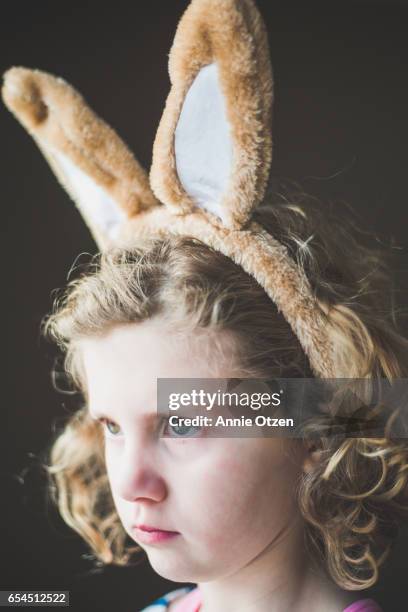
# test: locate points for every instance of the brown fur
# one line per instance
(57, 116)
(230, 32)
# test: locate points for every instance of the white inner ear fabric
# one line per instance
(203, 142)
(98, 208)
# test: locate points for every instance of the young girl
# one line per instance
(221, 282)
(257, 522)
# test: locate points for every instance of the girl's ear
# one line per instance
(213, 147)
(312, 456)
(87, 156)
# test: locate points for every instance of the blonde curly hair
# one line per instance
(355, 497)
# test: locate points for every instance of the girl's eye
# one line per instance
(180, 430)
(110, 427)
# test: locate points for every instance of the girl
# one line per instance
(206, 277)
(258, 523)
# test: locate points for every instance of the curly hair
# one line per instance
(355, 497)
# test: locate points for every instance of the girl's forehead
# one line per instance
(156, 345)
(121, 368)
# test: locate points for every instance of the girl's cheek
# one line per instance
(219, 480)
(185, 450)
(112, 461)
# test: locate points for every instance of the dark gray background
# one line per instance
(340, 129)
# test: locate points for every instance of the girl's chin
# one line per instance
(178, 570)
(175, 574)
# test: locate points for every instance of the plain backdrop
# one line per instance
(340, 130)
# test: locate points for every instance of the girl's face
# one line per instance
(226, 500)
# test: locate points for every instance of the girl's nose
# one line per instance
(138, 476)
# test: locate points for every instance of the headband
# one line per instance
(211, 158)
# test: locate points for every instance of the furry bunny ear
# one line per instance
(213, 147)
(88, 157)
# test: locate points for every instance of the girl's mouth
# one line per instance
(152, 535)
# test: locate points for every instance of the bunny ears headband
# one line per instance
(211, 158)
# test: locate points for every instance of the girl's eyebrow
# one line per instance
(147, 417)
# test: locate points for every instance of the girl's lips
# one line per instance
(152, 535)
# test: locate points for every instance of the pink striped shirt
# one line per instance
(192, 603)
